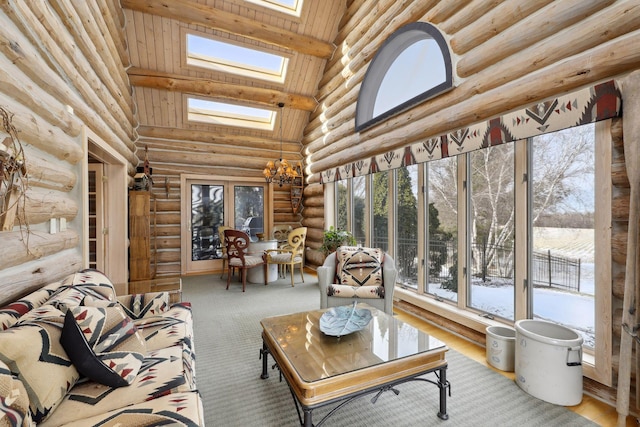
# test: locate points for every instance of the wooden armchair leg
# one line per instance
(266, 273)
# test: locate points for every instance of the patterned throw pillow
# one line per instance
(14, 401)
(67, 298)
(103, 344)
(91, 282)
(348, 291)
(10, 314)
(359, 266)
(138, 306)
(32, 351)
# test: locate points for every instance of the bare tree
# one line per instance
(562, 162)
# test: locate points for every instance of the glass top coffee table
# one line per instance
(324, 370)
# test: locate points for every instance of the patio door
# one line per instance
(211, 202)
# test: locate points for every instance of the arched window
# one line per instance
(412, 66)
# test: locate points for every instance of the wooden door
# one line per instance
(211, 202)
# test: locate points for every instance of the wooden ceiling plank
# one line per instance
(209, 17)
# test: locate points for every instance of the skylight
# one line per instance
(292, 7)
(225, 114)
(231, 58)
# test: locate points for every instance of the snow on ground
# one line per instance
(575, 310)
(571, 309)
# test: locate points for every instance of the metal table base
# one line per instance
(307, 411)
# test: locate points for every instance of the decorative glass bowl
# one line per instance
(343, 320)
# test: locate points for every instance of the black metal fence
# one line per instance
(487, 262)
(491, 261)
(555, 271)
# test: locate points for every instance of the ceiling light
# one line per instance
(280, 171)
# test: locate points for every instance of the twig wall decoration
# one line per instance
(13, 176)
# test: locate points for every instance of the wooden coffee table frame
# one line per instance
(342, 389)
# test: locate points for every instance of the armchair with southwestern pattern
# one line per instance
(356, 273)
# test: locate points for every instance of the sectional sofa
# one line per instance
(73, 353)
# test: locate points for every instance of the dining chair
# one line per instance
(223, 247)
(281, 233)
(290, 253)
(237, 243)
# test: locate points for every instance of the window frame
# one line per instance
(390, 50)
(246, 71)
(596, 364)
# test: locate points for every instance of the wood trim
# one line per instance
(603, 369)
(209, 17)
(116, 263)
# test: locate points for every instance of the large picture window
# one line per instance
(563, 229)
(492, 218)
(458, 228)
(406, 225)
(442, 229)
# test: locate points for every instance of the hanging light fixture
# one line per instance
(279, 171)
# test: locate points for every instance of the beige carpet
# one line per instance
(228, 343)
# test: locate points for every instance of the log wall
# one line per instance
(58, 75)
(505, 55)
(62, 68)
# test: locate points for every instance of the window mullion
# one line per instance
(522, 227)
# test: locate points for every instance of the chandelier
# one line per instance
(279, 171)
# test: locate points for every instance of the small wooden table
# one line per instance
(325, 370)
(170, 284)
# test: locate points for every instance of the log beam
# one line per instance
(199, 14)
(93, 44)
(34, 130)
(492, 23)
(42, 205)
(22, 246)
(264, 151)
(529, 32)
(114, 109)
(114, 20)
(242, 142)
(46, 174)
(50, 96)
(333, 125)
(220, 89)
(15, 62)
(28, 277)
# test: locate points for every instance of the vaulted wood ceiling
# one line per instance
(161, 79)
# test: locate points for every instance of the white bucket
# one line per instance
(501, 342)
(548, 361)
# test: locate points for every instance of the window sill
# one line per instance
(470, 320)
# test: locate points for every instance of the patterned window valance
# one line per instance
(599, 102)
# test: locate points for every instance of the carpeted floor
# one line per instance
(228, 342)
